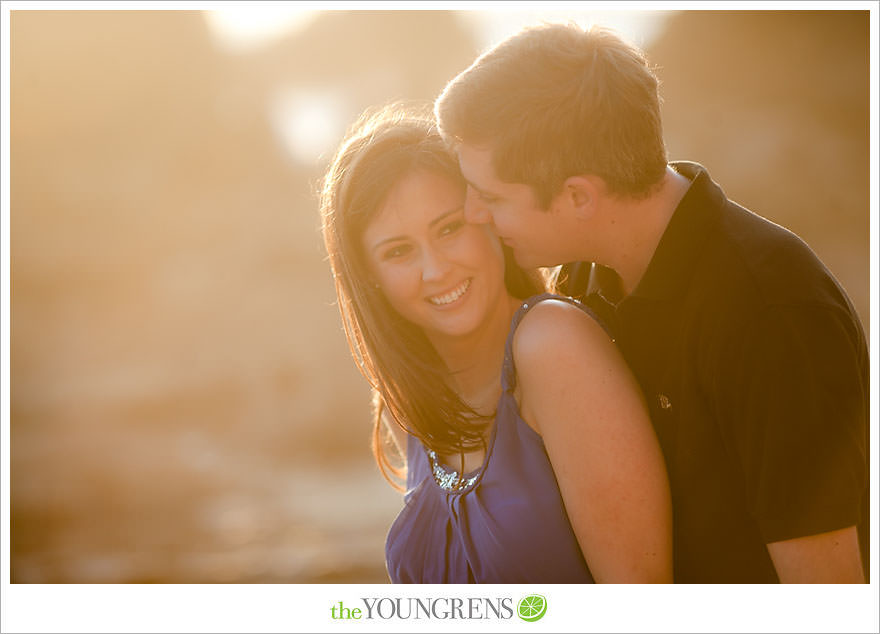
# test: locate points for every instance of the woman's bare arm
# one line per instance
(578, 393)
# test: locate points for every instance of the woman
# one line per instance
(523, 463)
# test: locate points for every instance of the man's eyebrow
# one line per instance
(435, 221)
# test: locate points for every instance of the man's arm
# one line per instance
(797, 419)
(831, 557)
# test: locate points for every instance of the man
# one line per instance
(750, 355)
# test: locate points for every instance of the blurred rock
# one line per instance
(176, 354)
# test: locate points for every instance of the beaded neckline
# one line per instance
(449, 480)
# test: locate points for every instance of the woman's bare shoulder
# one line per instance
(556, 326)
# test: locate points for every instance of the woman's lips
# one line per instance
(452, 296)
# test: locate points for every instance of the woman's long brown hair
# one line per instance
(409, 379)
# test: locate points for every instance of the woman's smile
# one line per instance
(436, 270)
(452, 297)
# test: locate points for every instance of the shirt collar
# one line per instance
(672, 265)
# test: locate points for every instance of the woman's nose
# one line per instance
(434, 265)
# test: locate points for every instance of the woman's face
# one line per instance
(438, 271)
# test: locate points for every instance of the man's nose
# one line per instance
(475, 210)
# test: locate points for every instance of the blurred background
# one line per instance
(183, 404)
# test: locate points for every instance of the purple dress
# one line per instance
(503, 523)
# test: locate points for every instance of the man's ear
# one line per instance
(582, 194)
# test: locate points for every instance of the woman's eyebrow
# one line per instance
(445, 214)
(435, 221)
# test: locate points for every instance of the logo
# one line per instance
(532, 608)
(440, 608)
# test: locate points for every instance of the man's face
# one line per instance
(537, 236)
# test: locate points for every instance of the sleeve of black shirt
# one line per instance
(796, 416)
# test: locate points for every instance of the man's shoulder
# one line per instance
(740, 238)
(749, 269)
(763, 262)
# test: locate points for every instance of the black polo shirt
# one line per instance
(755, 370)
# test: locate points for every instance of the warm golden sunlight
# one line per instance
(184, 406)
(241, 30)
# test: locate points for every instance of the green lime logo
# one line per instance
(532, 607)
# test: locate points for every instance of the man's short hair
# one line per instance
(555, 101)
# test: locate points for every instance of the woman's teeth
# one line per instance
(448, 298)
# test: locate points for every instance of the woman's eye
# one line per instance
(451, 227)
(395, 252)
(487, 199)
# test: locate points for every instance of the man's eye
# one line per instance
(488, 199)
(451, 227)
